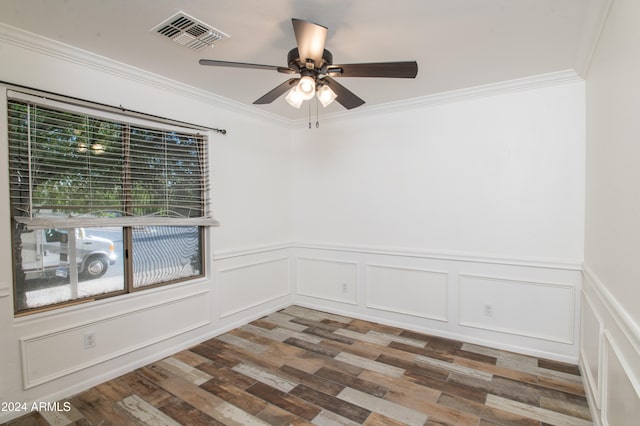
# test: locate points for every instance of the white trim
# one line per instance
(591, 402)
(94, 304)
(635, 383)
(315, 296)
(325, 259)
(58, 50)
(36, 43)
(368, 304)
(459, 95)
(95, 111)
(24, 341)
(244, 251)
(122, 314)
(629, 327)
(516, 332)
(571, 265)
(591, 34)
(247, 265)
(596, 387)
(78, 387)
(440, 333)
(253, 305)
(261, 302)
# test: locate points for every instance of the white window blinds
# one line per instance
(103, 169)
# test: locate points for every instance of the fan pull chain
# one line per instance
(309, 114)
(317, 122)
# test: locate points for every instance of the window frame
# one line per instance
(127, 229)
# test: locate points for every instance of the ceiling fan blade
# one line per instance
(276, 92)
(345, 97)
(408, 69)
(215, 63)
(310, 38)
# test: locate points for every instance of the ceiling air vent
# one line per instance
(189, 31)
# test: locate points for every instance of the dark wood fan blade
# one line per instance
(346, 97)
(277, 92)
(310, 38)
(215, 63)
(408, 69)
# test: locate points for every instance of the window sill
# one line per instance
(79, 307)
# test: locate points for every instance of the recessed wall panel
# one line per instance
(328, 279)
(533, 309)
(622, 390)
(416, 292)
(590, 346)
(253, 283)
(57, 353)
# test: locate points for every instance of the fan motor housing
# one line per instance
(293, 59)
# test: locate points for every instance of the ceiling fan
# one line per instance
(315, 66)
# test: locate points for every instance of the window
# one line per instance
(101, 203)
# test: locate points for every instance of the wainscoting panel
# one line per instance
(621, 389)
(591, 335)
(418, 292)
(609, 356)
(253, 283)
(57, 353)
(328, 279)
(533, 309)
(533, 306)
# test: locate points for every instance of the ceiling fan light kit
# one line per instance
(326, 95)
(306, 87)
(315, 66)
(304, 91)
(294, 97)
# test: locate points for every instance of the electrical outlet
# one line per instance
(89, 340)
(488, 310)
(345, 288)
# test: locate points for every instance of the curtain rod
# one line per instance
(106, 107)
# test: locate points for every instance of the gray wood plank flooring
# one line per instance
(301, 366)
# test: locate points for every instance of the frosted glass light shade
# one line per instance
(294, 98)
(307, 87)
(326, 95)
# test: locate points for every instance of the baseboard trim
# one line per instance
(112, 374)
(440, 333)
(589, 392)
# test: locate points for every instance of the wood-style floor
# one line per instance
(300, 366)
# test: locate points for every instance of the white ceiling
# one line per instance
(457, 43)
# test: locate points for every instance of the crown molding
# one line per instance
(485, 90)
(591, 33)
(42, 45)
(55, 49)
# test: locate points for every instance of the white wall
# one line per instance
(41, 355)
(420, 218)
(424, 216)
(610, 350)
(498, 175)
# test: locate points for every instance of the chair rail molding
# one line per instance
(436, 292)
